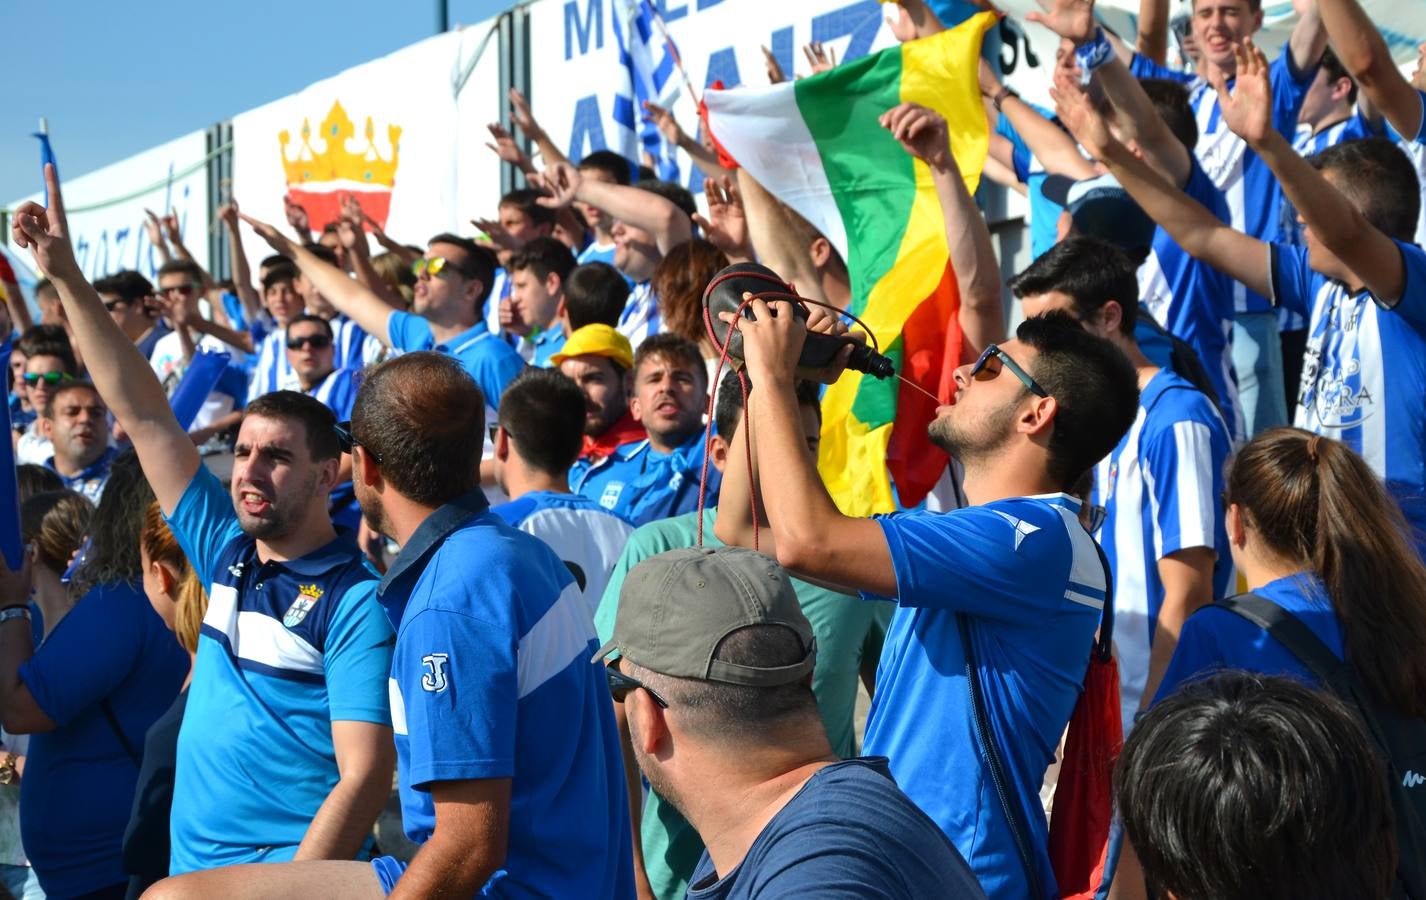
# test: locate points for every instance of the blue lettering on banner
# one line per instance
(592, 25)
(705, 4)
(588, 126)
(671, 13)
(781, 47)
(723, 66)
(861, 20)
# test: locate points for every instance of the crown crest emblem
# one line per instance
(310, 590)
(336, 162)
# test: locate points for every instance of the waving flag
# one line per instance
(651, 63)
(815, 145)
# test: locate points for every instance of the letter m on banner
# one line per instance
(575, 28)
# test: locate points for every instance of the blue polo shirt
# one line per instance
(90, 480)
(541, 347)
(642, 485)
(338, 393)
(492, 678)
(1028, 577)
(78, 789)
(286, 649)
(490, 361)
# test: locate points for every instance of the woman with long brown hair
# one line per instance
(679, 281)
(1313, 530)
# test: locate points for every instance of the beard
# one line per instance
(977, 440)
(284, 513)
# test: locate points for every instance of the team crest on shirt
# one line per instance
(307, 597)
(434, 680)
(612, 490)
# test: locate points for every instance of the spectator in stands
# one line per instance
(354, 347)
(1013, 577)
(176, 594)
(668, 394)
(129, 297)
(76, 423)
(605, 167)
(87, 694)
(47, 366)
(32, 479)
(1287, 775)
(597, 359)
(668, 849)
(311, 351)
(519, 220)
(714, 672)
(679, 281)
(1162, 533)
(55, 522)
(595, 294)
(1359, 280)
(283, 303)
(536, 312)
(453, 281)
(47, 299)
(540, 435)
(292, 678)
(647, 225)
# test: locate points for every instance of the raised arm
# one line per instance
(154, 228)
(242, 272)
(353, 238)
(774, 239)
(706, 160)
(349, 296)
(1364, 54)
(1309, 36)
(1334, 220)
(1055, 150)
(1192, 227)
(1153, 40)
(669, 225)
(922, 133)
(118, 370)
(524, 120)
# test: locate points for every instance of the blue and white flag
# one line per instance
(46, 158)
(650, 62)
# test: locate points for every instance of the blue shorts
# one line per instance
(388, 869)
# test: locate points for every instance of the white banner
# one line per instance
(106, 207)
(385, 132)
(576, 77)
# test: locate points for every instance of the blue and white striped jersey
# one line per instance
(1252, 191)
(641, 315)
(272, 372)
(585, 535)
(1160, 490)
(1415, 147)
(1364, 370)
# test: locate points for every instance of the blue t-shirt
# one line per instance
(597, 253)
(79, 779)
(587, 537)
(490, 361)
(1214, 638)
(286, 649)
(1253, 193)
(644, 485)
(1364, 370)
(542, 346)
(1160, 488)
(338, 393)
(492, 678)
(1194, 301)
(813, 846)
(1028, 577)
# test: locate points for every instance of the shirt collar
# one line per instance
(95, 469)
(334, 553)
(1067, 501)
(432, 531)
(474, 331)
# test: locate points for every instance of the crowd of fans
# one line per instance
(482, 513)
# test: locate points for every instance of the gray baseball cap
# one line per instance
(675, 609)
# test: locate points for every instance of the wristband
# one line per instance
(1092, 54)
(14, 612)
(1001, 96)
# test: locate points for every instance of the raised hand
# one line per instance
(171, 228)
(820, 58)
(1247, 109)
(296, 217)
(922, 133)
(45, 230)
(228, 214)
(726, 226)
(562, 180)
(913, 19)
(505, 146)
(1078, 113)
(665, 122)
(496, 235)
(153, 227)
(775, 75)
(275, 239)
(1072, 19)
(522, 118)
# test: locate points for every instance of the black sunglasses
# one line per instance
(315, 341)
(994, 351)
(621, 686)
(346, 440)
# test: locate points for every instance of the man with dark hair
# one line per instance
(283, 302)
(453, 281)
(646, 226)
(595, 293)
(290, 676)
(714, 673)
(1287, 774)
(1360, 282)
(1009, 588)
(539, 437)
(508, 759)
(605, 167)
(76, 422)
(49, 362)
(848, 634)
(1163, 531)
(311, 351)
(597, 359)
(129, 297)
(659, 477)
(536, 308)
(519, 219)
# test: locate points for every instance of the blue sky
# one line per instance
(117, 78)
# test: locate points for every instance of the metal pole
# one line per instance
(443, 18)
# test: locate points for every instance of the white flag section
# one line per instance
(106, 207)
(391, 134)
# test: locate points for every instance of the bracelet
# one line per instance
(14, 612)
(25, 605)
(1092, 54)
(1001, 96)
